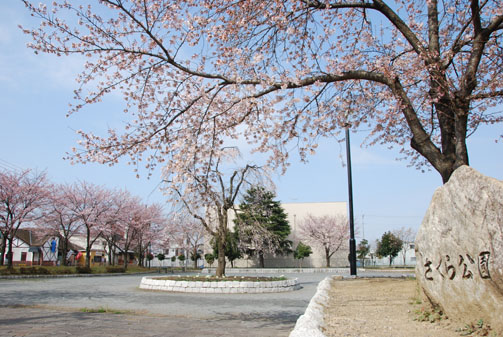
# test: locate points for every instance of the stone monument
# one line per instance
(459, 249)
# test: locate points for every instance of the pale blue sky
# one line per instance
(35, 91)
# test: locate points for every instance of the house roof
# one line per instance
(33, 237)
(79, 243)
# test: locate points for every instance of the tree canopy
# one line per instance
(328, 232)
(389, 245)
(197, 73)
(301, 252)
(363, 250)
(261, 224)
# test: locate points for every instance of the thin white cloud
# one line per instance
(371, 157)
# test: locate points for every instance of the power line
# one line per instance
(394, 216)
(4, 164)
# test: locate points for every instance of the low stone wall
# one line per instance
(218, 287)
(278, 270)
(309, 324)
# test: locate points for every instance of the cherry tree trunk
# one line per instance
(453, 152)
(110, 255)
(9, 252)
(327, 256)
(65, 252)
(221, 256)
(88, 249)
(194, 253)
(261, 259)
(126, 258)
(2, 251)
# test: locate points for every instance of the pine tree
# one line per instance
(262, 224)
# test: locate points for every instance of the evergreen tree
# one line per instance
(363, 250)
(210, 258)
(302, 251)
(389, 245)
(232, 251)
(262, 224)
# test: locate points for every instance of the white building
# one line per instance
(31, 248)
(408, 252)
(296, 213)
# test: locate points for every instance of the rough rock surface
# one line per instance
(459, 248)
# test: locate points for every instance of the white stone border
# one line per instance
(280, 270)
(218, 287)
(309, 324)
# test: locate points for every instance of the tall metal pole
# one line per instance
(352, 242)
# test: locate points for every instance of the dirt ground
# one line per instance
(380, 307)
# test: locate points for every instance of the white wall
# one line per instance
(410, 258)
(296, 212)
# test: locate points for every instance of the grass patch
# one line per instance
(103, 310)
(66, 270)
(425, 313)
(428, 315)
(212, 278)
(477, 329)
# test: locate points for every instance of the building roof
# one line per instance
(33, 237)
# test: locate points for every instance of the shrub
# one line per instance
(112, 269)
(8, 271)
(65, 270)
(42, 271)
(27, 271)
(83, 270)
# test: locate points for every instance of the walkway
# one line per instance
(54, 309)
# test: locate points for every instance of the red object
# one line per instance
(79, 255)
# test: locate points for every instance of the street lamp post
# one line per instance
(352, 243)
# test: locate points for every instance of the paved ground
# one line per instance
(51, 307)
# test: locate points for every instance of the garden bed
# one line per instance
(224, 285)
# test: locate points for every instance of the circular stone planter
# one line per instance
(219, 287)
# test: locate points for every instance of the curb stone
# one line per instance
(219, 287)
(309, 324)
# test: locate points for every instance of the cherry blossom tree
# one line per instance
(91, 205)
(208, 193)
(150, 226)
(22, 197)
(122, 219)
(328, 232)
(187, 233)
(196, 73)
(59, 218)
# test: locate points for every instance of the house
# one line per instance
(31, 248)
(78, 245)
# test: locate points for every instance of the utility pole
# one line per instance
(363, 225)
(352, 242)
